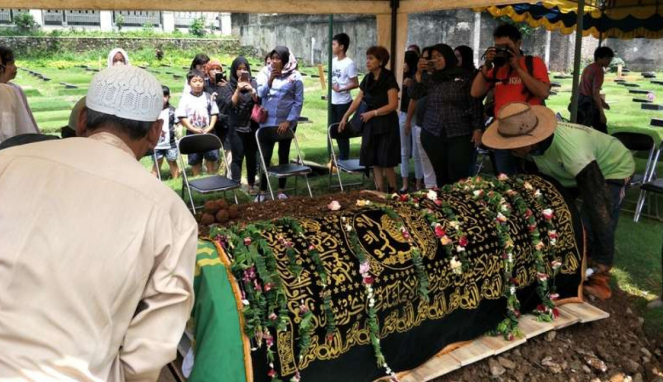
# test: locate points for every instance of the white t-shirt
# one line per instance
(164, 140)
(342, 71)
(197, 109)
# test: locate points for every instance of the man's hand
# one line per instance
(489, 56)
(408, 127)
(476, 137)
(514, 60)
(336, 88)
(272, 76)
(283, 127)
(605, 105)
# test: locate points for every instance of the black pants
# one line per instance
(243, 145)
(590, 115)
(337, 113)
(450, 157)
(267, 140)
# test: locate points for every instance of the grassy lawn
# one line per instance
(638, 262)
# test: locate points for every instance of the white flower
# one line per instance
(348, 227)
(537, 193)
(501, 218)
(512, 290)
(246, 302)
(334, 205)
(454, 224)
(502, 177)
(343, 219)
(539, 246)
(510, 257)
(460, 249)
(362, 203)
(456, 266)
(553, 242)
(548, 213)
(477, 193)
(528, 186)
(432, 195)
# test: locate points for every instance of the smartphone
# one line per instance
(431, 64)
(219, 77)
(244, 76)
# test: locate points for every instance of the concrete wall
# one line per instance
(452, 27)
(639, 54)
(32, 45)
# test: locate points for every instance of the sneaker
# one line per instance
(260, 198)
(282, 195)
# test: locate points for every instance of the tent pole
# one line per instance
(330, 57)
(576, 61)
(394, 8)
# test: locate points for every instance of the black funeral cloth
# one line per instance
(461, 306)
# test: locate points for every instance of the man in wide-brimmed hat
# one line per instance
(577, 157)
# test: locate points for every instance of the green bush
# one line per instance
(197, 28)
(119, 21)
(25, 22)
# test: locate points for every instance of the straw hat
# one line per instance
(518, 125)
(126, 92)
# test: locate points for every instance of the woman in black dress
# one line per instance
(380, 145)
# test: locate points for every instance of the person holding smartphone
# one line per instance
(281, 90)
(241, 94)
(453, 123)
(214, 84)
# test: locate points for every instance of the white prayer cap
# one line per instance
(126, 92)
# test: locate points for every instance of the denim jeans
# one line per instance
(616, 196)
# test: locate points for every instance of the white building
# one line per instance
(106, 20)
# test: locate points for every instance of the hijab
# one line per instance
(468, 57)
(451, 69)
(233, 71)
(211, 64)
(116, 51)
(411, 59)
(289, 61)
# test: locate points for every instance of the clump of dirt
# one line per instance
(616, 349)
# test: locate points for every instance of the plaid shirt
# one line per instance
(450, 109)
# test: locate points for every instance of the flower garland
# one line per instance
(417, 260)
(546, 311)
(458, 262)
(367, 281)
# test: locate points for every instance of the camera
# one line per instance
(502, 55)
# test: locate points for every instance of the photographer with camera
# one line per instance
(512, 77)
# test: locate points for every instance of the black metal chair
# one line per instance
(284, 170)
(640, 142)
(24, 139)
(215, 183)
(153, 154)
(349, 166)
(655, 187)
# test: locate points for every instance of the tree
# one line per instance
(25, 22)
(119, 21)
(197, 27)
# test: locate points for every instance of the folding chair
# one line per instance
(640, 142)
(481, 154)
(284, 170)
(215, 183)
(349, 166)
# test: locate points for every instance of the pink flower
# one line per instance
(256, 286)
(438, 202)
(311, 247)
(404, 198)
(330, 337)
(368, 280)
(463, 241)
(503, 177)
(334, 206)
(556, 264)
(555, 313)
(554, 296)
(528, 213)
(268, 287)
(247, 241)
(364, 267)
(439, 232)
(477, 194)
(552, 234)
(539, 246)
(273, 316)
(531, 227)
(303, 309)
(548, 213)
(651, 97)
(271, 373)
(542, 276)
(501, 218)
(444, 240)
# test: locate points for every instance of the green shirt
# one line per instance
(575, 146)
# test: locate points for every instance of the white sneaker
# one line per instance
(282, 196)
(589, 272)
(260, 198)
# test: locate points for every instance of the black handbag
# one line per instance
(356, 122)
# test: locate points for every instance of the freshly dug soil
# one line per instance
(577, 353)
(616, 349)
